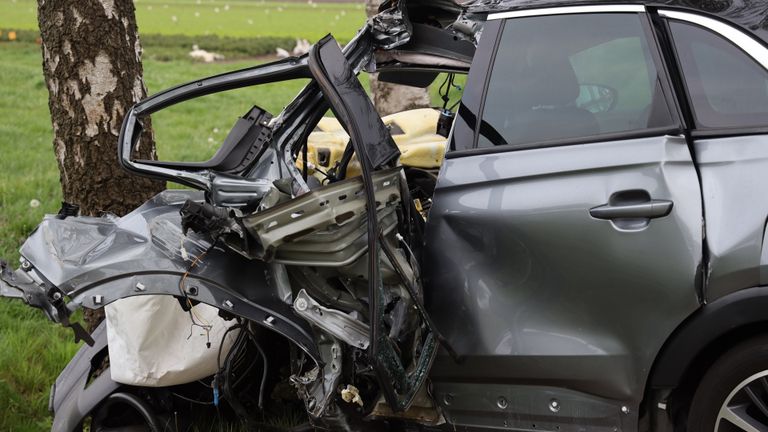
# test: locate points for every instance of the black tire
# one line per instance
(746, 360)
(125, 412)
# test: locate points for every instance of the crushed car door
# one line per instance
(375, 148)
(565, 240)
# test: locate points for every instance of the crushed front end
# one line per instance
(331, 270)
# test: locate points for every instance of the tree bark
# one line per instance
(92, 68)
(392, 98)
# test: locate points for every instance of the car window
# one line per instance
(726, 86)
(572, 76)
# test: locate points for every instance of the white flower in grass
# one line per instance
(216, 10)
(210, 140)
(197, 14)
(215, 130)
(174, 19)
(226, 7)
(34, 203)
(250, 21)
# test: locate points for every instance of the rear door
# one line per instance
(565, 239)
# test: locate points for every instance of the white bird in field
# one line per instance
(203, 55)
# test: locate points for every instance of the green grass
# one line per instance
(32, 350)
(234, 18)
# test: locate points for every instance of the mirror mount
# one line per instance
(244, 145)
(199, 176)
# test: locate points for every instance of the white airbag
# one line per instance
(149, 343)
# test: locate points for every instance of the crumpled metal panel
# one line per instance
(326, 227)
(147, 247)
(67, 250)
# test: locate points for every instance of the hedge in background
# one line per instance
(174, 47)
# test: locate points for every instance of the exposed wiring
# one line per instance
(266, 367)
(445, 92)
(400, 238)
(223, 338)
(190, 400)
(197, 321)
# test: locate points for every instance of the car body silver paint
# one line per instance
(550, 295)
(94, 261)
(734, 177)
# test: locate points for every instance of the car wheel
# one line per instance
(733, 395)
(124, 412)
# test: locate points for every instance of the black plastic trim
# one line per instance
(644, 133)
(729, 132)
(702, 328)
(487, 79)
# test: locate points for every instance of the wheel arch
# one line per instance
(701, 339)
(739, 315)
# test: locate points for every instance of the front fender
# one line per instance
(96, 261)
(72, 398)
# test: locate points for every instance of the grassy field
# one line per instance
(33, 350)
(222, 17)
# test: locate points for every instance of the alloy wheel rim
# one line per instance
(746, 407)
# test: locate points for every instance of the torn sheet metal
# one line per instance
(147, 246)
(346, 327)
(325, 227)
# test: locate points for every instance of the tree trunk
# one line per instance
(92, 67)
(392, 98)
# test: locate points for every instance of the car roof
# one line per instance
(752, 15)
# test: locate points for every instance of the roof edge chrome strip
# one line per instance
(567, 10)
(742, 40)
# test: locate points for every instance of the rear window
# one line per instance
(572, 76)
(726, 86)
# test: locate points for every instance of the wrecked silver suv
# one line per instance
(555, 273)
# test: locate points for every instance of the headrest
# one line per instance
(547, 80)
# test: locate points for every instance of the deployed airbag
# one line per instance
(152, 342)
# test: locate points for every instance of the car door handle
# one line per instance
(647, 210)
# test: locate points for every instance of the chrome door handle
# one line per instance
(648, 210)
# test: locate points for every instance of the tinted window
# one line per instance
(727, 87)
(572, 76)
